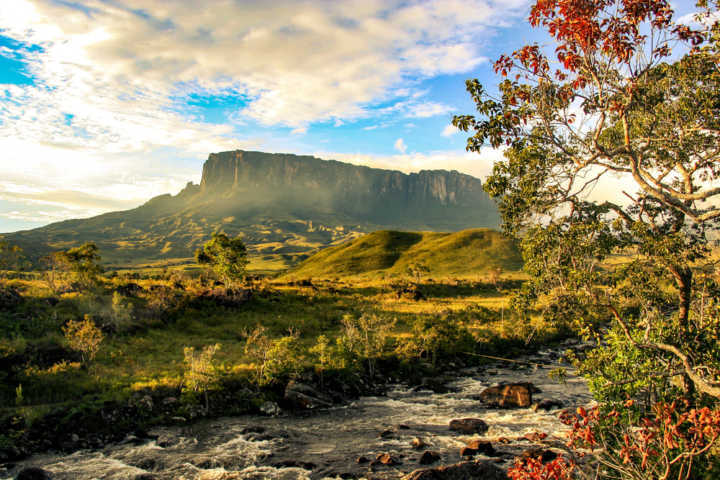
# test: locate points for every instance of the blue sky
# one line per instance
(106, 103)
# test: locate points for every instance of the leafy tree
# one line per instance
(84, 337)
(11, 257)
(81, 263)
(227, 257)
(615, 105)
(201, 372)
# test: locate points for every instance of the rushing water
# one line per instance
(327, 443)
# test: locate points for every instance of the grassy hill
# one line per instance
(390, 253)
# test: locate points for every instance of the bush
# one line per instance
(84, 337)
(201, 373)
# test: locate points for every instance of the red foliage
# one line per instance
(534, 469)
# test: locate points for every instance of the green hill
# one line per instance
(391, 253)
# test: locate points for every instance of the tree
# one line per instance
(81, 263)
(11, 257)
(615, 104)
(84, 337)
(201, 372)
(227, 257)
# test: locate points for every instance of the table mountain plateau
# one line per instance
(285, 206)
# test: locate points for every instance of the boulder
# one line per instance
(270, 408)
(547, 405)
(33, 473)
(509, 395)
(459, 471)
(386, 459)
(469, 425)
(429, 457)
(305, 397)
(418, 443)
(475, 447)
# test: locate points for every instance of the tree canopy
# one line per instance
(227, 257)
(612, 157)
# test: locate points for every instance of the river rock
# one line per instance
(429, 457)
(270, 408)
(33, 473)
(305, 397)
(386, 459)
(547, 405)
(509, 395)
(469, 425)
(418, 443)
(475, 447)
(459, 471)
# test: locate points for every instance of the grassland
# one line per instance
(391, 254)
(306, 323)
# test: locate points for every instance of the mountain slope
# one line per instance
(285, 206)
(392, 252)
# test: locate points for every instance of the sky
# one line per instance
(107, 103)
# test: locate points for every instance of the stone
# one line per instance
(305, 397)
(429, 457)
(509, 395)
(33, 473)
(459, 471)
(386, 459)
(469, 425)
(475, 447)
(418, 443)
(270, 408)
(547, 405)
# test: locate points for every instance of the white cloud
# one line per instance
(296, 62)
(110, 81)
(449, 131)
(400, 145)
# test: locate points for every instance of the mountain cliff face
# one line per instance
(285, 206)
(435, 200)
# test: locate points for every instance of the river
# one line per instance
(327, 443)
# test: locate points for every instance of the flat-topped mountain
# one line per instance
(284, 205)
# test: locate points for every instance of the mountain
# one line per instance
(390, 253)
(285, 206)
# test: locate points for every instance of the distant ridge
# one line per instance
(285, 206)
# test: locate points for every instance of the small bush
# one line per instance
(84, 337)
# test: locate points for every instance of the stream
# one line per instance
(327, 443)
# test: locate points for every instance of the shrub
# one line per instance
(84, 337)
(364, 339)
(201, 373)
(272, 358)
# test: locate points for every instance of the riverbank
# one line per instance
(335, 441)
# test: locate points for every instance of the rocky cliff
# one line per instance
(435, 200)
(285, 206)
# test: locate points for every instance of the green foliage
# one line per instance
(84, 337)
(80, 264)
(226, 257)
(11, 258)
(622, 108)
(201, 373)
(439, 336)
(273, 358)
(364, 339)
